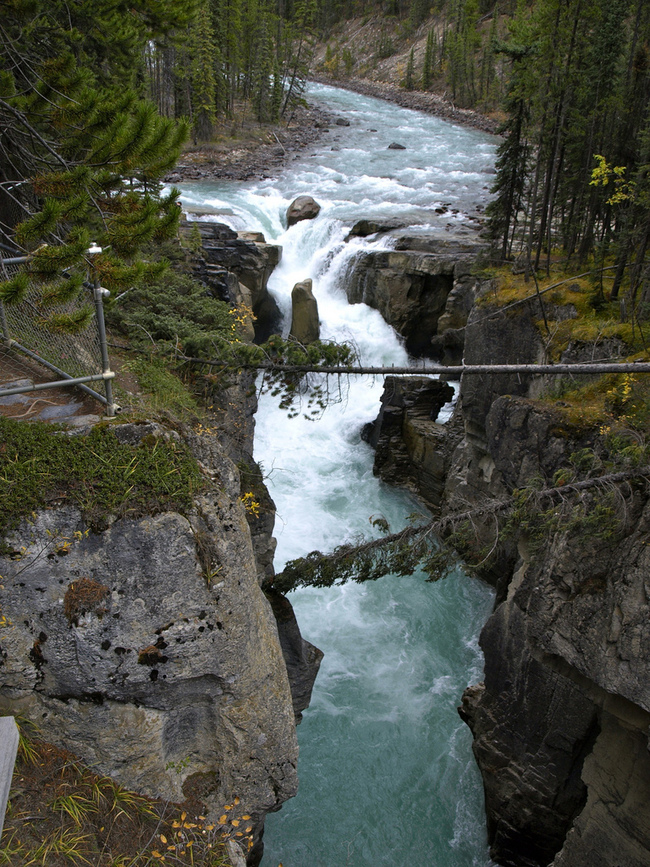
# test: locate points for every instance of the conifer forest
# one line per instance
(97, 99)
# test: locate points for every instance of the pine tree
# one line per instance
(202, 56)
(409, 78)
(82, 154)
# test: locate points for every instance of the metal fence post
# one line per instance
(6, 335)
(98, 296)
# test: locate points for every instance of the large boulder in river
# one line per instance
(302, 208)
(304, 313)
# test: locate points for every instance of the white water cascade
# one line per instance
(386, 773)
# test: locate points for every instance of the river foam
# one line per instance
(386, 771)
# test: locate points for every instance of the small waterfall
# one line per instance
(386, 771)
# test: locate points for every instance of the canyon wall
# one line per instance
(424, 288)
(148, 648)
(561, 720)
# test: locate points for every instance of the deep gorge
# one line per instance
(549, 777)
(560, 715)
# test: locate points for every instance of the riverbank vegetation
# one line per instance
(571, 86)
(96, 107)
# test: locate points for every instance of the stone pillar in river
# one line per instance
(304, 313)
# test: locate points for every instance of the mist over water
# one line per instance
(386, 771)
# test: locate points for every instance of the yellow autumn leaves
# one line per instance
(206, 837)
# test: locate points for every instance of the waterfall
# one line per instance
(386, 771)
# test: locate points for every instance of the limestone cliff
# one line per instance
(237, 266)
(424, 288)
(561, 720)
(148, 648)
(409, 443)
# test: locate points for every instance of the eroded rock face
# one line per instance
(422, 293)
(560, 723)
(407, 438)
(494, 336)
(301, 657)
(365, 228)
(238, 267)
(561, 726)
(150, 651)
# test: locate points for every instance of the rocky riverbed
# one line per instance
(255, 151)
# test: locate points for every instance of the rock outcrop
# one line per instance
(560, 723)
(149, 649)
(561, 720)
(407, 438)
(236, 267)
(305, 327)
(424, 289)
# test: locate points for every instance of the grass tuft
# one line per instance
(41, 466)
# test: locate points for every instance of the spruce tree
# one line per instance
(429, 60)
(202, 57)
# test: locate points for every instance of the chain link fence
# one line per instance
(71, 359)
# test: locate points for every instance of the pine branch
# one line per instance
(23, 120)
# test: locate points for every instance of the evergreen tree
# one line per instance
(512, 158)
(203, 56)
(429, 60)
(82, 153)
(409, 78)
(583, 89)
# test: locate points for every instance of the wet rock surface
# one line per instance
(302, 208)
(302, 658)
(236, 267)
(305, 327)
(406, 436)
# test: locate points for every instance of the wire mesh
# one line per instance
(24, 323)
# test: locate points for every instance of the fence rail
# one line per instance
(76, 359)
(8, 748)
(594, 368)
